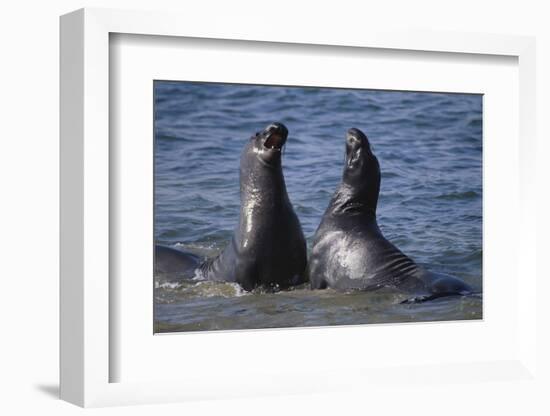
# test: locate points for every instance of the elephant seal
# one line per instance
(268, 247)
(349, 251)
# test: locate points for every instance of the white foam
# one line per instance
(199, 276)
(211, 289)
(167, 285)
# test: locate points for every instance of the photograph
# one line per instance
(299, 206)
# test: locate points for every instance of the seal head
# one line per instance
(360, 187)
(268, 144)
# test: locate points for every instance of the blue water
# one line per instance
(429, 146)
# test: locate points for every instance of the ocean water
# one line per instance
(429, 146)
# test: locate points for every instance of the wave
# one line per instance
(458, 195)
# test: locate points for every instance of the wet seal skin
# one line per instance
(268, 248)
(349, 251)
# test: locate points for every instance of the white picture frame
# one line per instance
(86, 291)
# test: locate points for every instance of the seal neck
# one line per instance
(263, 186)
(350, 200)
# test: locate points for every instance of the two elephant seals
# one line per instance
(349, 251)
(268, 247)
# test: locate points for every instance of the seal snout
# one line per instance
(357, 147)
(275, 136)
(356, 137)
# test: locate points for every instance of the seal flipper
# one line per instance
(427, 298)
(174, 264)
(442, 285)
(419, 299)
(445, 285)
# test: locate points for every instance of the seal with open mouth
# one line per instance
(349, 250)
(268, 247)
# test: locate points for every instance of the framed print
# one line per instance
(205, 173)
